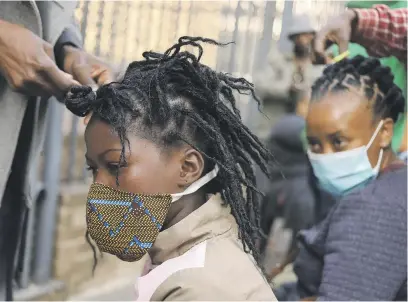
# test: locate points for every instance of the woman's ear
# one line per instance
(192, 167)
(386, 133)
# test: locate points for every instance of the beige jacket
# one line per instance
(201, 258)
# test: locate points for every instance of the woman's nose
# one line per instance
(104, 178)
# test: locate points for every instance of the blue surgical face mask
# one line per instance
(342, 172)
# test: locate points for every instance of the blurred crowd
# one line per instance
(337, 179)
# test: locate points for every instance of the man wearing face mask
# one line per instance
(301, 33)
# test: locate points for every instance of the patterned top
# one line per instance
(359, 252)
(383, 31)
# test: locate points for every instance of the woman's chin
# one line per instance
(128, 258)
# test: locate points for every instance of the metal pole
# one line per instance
(137, 39)
(112, 41)
(266, 40)
(72, 148)
(191, 11)
(223, 36)
(253, 115)
(99, 25)
(29, 238)
(48, 209)
(231, 65)
(84, 21)
(127, 30)
(284, 43)
(177, 21)
(252, 11)
(161, 29)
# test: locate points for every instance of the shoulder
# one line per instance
(228, 274)
(376, 213)
(388, 193)
(209, 285)
(193, 284)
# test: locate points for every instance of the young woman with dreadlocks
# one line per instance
(359, 251)
(173, 177)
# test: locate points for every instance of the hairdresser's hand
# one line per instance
(86, 68)
(339, 31)
(27, 63)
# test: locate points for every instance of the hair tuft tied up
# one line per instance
(80, 100)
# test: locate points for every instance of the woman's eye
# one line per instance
(338, 144)
(315, 148)
(112, 168)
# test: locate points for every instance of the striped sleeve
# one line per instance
(383, 31)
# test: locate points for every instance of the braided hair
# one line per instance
(175, 99)
(365, 76)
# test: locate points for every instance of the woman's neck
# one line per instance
(389, 158)
(184, 207)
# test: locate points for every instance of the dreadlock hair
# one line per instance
(367, 77)
(175, 99)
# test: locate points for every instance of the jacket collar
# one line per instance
(213, 218)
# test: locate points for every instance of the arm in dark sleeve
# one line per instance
(70, 36)
(366, 250)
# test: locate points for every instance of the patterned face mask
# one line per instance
(127, 224)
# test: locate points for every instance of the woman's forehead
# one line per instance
(345, 111)
(100, 136)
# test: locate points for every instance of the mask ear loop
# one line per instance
(377, 166)
(375, 134)
(197, 184)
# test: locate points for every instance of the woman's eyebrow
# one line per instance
(335, 134)
(104, 153)
(312, 138)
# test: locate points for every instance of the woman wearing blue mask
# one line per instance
(359, 251)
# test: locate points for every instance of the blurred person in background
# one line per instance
(40, 57)
(301, 33)
(288, 193)
(283, 72)
(359, 251)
